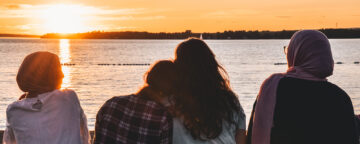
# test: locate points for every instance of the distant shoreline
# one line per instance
(284, 34)
(351, 33)
(145, 39)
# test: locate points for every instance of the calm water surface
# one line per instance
(248, 63)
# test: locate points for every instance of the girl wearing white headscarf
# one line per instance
(301, 106)
(44, 114)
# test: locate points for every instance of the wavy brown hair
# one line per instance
(204, 99)
(159, 80)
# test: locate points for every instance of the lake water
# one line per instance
(248, 63)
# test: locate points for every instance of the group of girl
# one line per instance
(189, 100)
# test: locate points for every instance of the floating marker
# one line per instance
(68, 64)
(356, 62)
(280, 63)
(339, 63)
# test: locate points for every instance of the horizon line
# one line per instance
(103, 31)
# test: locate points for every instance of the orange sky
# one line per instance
(43, 16)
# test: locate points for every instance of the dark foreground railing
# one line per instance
(2, 133)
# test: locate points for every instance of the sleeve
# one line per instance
(84, 132)
(346, 120)
(342, 121)
(98, 134)
(241, 121)
(249, 132)
(166, 130)
(8, 137)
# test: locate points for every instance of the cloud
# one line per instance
(284, 17)
(232, 13)
(90, 12)
(117, 28)
(123, 18)
(16, 6)
(13, 6)
(25, 28)
(42, 18)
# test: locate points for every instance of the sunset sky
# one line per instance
(67, 16)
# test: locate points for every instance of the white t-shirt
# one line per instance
(51, 118)
(182, 136)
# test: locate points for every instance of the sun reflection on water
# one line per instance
(65, 57)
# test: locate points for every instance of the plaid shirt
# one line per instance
(133, 119)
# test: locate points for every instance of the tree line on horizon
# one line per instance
(284, 34)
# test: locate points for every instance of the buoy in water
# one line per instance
(339, 63)
(280, 63)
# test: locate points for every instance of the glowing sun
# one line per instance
(64, 19)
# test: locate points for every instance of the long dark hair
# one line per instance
(204, 99)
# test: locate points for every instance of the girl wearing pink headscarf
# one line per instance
(44, 114)
(300, 106)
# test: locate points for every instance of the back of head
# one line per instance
(195, 52)
(40, 72)
(204, 99)
(310, 50)
(196, 63)
(161, 77)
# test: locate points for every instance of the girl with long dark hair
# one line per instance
(206, 110)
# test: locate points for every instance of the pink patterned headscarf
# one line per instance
(309, 57)
(40, 72)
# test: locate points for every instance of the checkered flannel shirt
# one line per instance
(133, 120)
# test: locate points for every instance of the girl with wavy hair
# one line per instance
(206, 109)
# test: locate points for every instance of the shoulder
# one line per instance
(15, 103)
(240, 119)
(132, 100)
(334, 89)
(140, 104)
(338, 99)
(67, 92)
(116, 102)
(15, 106)
(272, 79)
(12, 106)
(134, 104)
(119, 100)
(67, 95)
